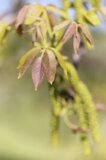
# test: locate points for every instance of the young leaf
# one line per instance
(69, 32)
(61, 25)
(95, 3)
(49, 63)
(26, 61)
(66, 4)
(86, 33)
(33, 13)
(39, 32)
(60, 59)
(38, 71)
(21, 16)
(4, 28)
(47, 22)
(76, 42)
(52, 19)
(56, 10)
(91, 17)
(34, 37)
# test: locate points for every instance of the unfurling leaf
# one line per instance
(69, 32)
(60, 59)
(91, 17)
(26, 61)
(21, 16)
(39, 32)
(38, 71)
(52, 19)
(46, 23)
(44, 66)
(76, 42)
(49, 63)
(86, 33)
(34, 37)
(34, 12)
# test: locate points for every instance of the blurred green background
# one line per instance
(25, 114)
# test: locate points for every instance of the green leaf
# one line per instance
(4, 28)
(26, 61)
(39, 32)
(95, 3)
(91, 17)
(49, 63)
(60, 59)
(66, 4)
(45, 17)
(69, 32)
(61, 25)
(38, 72)
(34, 12)
(56, 10)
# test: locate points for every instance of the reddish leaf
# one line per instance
(20, 17)
(52, 19)
(37, 72)
(34, 36)
(86, 33)
(26, 61)
(49, 63)
(69, 32)
(76, 42)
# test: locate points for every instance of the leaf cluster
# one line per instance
(49, 28)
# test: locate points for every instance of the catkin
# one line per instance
(54, 129)
(85, 144)
(88, 105)
(55, 118)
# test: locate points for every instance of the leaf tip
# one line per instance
(51, 82)
(18, 67)
(36, 88)
(19, 76)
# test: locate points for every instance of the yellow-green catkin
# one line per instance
(85, 144)
(55, 118)
(54, 129)
(88, 105)
(56, 106)
(90, 110)
(78, 106)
